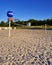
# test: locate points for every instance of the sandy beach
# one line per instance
(26, 47)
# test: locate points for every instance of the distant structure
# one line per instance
(29, 24)
(16, 20)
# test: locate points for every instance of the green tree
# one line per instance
(3, 24)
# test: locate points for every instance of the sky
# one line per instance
(26, 9)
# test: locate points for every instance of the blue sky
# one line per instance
(26, 9)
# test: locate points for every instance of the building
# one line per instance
(29, 24)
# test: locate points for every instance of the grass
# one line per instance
(34, 27)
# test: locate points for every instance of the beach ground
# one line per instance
(26, 47)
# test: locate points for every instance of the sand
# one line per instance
(26, 47)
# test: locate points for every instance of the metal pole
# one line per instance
(9, 28)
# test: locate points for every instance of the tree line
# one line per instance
(24, 23)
